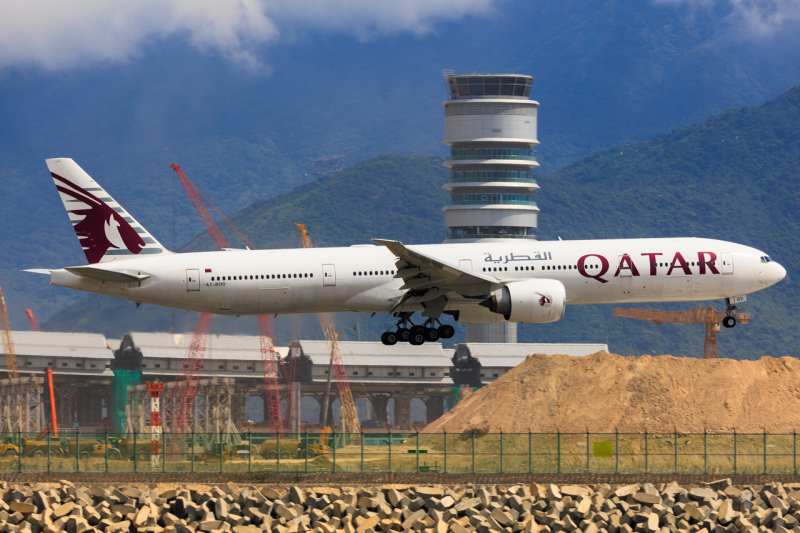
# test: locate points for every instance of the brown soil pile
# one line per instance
(661, 394)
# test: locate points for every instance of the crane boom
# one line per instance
(32, 320)
(269, 360)
(8, 341)
(345, 395)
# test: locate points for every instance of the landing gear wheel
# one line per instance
(418, 330)
(389, 338)
(403, 334)
(417, 336)
(431, 335)
(446, 332)
(728, 321)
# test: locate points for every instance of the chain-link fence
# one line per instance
(391, 451)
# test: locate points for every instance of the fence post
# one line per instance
(735, 451)
(558, 449)
(306, 453)
(334, 451)
(19, 455)
(445, 451)
(249, 451)
(362, 450)
(616, 449)
(646, 452)
(222, 451)
(105, 447)
(415, 429)
(390, 450)
(530, 452)
(794, 450)
(675, 445)
(78, 447)
(501, 451)
(192, 449)
(278, 448)
(135, 453)
(765, 450)
(705, 451)
(588, 464)
(473, 451)
(48, 451)
(163, 450)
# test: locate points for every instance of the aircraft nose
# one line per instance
(773, 274)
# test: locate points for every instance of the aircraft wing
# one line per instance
(425, 276)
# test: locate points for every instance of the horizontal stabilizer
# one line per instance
(106, 275)
(38, 271)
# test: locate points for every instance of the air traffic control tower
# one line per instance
(490, 126)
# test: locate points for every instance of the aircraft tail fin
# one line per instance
(105, 230)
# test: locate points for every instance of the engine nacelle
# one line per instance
(532, 301)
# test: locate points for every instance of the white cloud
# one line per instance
(58, 34)
(753, 18)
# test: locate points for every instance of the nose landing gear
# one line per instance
(730, 320)
(417, 335)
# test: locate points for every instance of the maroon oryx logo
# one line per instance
(102, 227)
(545, 300)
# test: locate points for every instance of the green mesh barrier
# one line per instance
(119, 395)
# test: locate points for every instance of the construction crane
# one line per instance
(181, 397)
(32, 320)
(194, 195)
(8, 342)
(350, 415)
(696, 315)
(269, 360)
(304, 235)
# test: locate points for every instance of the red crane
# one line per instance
(269, 359)
(181, 397)
(32, 320)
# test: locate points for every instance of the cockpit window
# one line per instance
(766, 259)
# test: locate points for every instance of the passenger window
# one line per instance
(311, 275)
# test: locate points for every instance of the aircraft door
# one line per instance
(192, 279)
(727, 262)
(328, 276)
(466, 264)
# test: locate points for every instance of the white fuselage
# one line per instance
(361, 278)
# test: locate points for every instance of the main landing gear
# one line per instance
(417, 335)
(730, 320)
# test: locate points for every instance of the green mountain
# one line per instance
(732, 177)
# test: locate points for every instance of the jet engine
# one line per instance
(532, 301)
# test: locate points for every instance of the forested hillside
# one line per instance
(733, 177)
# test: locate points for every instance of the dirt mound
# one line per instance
(604, 391)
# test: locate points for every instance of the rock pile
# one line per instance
(716, 507)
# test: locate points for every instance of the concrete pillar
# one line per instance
(294, 415)
(402, 410)
(434, 408)
(239, 409)
(380, 409)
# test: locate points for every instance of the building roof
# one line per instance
(510, 355)
(218, 347)
(377, 354)
(56, 344)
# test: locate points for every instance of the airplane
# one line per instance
(486, 283)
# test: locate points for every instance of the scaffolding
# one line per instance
(211, 411)
(21, 407)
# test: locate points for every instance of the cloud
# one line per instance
(59, 34)
(752, 18)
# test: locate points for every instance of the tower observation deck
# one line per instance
(490, 126)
